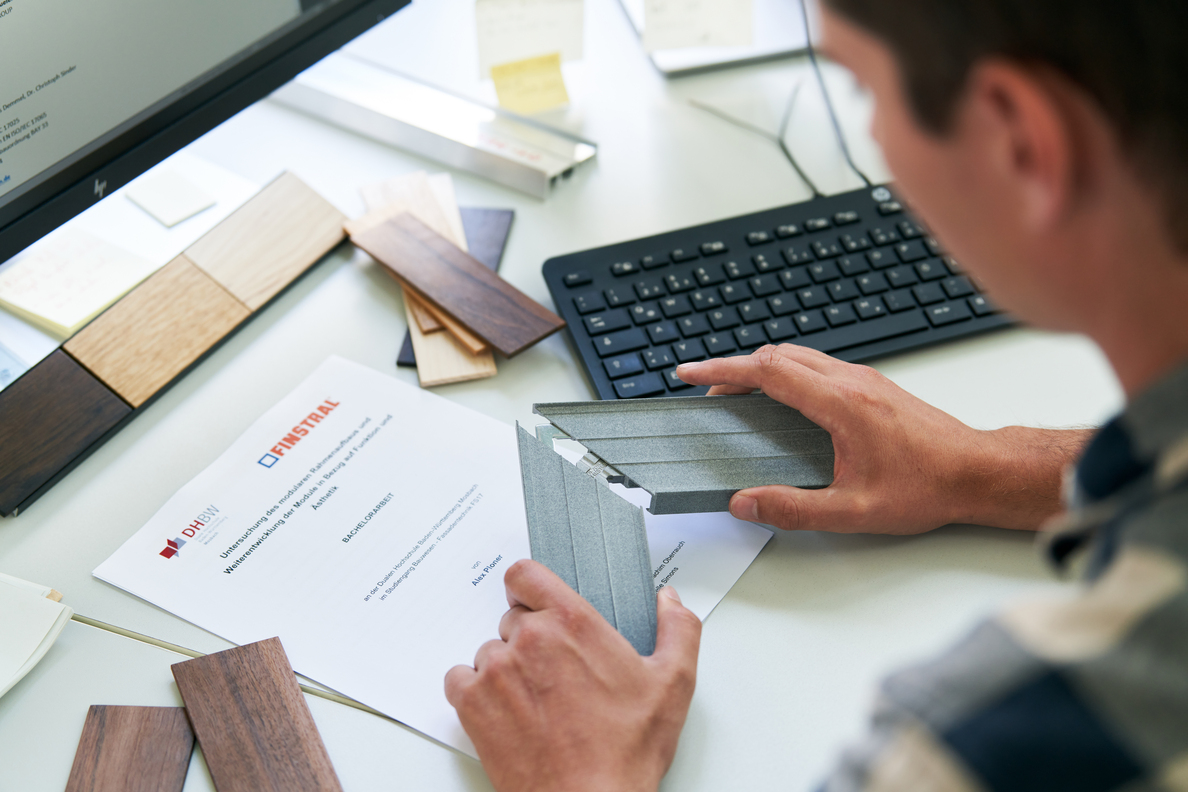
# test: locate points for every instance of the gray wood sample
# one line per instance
(594, 540)
(692, 454)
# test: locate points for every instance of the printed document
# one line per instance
(368, 523)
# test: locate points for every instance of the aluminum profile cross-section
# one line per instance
(591, 538)
(693, 453)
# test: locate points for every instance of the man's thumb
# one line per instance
(789, 508)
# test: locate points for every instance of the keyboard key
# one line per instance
(866, 332)
(899, 277)
(809, 322)
(658, 358)
(623, 365)
(870, 308)
(957, 287)
(607, 321)
(654, 260)
(708, 277)
(750, 336)
(682, 254)
(679, 283)
(826, 250)
(824, 272)
(845, 218)
(780, 329)
(620, 342)
(619, 296)
(884, 236)
(589, 302)
(621, 268)
(941, 315)
(720, 344)
(816, 224)
(928, 293)
(639, 387)
(735, 292)
(713, 248)
(795, 278)
(649, 289)
(788, 230)
(952, 264)
(874, 283)
(663, 332)
(797, 255)
(854, 243)
(688, 351)
(909, 229)
(723, 319)
(675, 383)
(703, 300)
(783, 305)
(933, 246)
(842, 291)
(813, 297)
(879, 259)
(839, 315)
(765, 285)
(645, 313)
(759, 238)
(982, 306)
(911, 251)
(694, 325)
(899, 300)
(675, 306)
(890, 207)
(579, 278)
(753, 311)
(736, 270)
(931, 270)
(765, 264)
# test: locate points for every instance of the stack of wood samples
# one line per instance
(70, 403)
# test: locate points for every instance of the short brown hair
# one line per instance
(1131, 56)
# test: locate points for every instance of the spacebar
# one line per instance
(865, 332)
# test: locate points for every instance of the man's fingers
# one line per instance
(729, 390)
(777, 374)
(789, 508)
(458, 679)
(511, 621)
(536, 587)
(678, 633)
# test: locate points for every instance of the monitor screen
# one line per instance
(94, 93)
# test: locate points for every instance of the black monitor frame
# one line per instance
(179, 119)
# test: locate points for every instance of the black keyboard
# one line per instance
(853, 275)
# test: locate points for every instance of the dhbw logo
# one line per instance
(172, 546)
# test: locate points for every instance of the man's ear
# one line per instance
(1030, 146)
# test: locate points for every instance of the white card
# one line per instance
(674, 24)
(512, 30)
(169, 197)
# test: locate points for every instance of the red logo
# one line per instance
(172, 546)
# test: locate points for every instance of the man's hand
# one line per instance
(900, 466)
(563, 702)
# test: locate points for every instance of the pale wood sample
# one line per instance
(158, 330)
(423, 316)
(132, 749)
(442, 360)
(251, 719)
(266, 243)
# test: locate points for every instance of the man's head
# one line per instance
(1031, 134)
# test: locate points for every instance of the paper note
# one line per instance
(29, 625)
(11, 367)
(512, 30)
(674, 24)
(169, 197)
(531, 85)
(64, 283)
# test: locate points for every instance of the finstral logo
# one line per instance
(303, 427)
(172, 547)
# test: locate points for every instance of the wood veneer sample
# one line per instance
(132, 749)
(450, 279)
(252, 722)
(50, 416)
(266, 243)
(442, 360)
(157, 330)
(423, 315)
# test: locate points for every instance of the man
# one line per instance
(1046, 142)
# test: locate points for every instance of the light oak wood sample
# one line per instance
(251, 719)
(157, 331)
(266, 243)
(132, 749)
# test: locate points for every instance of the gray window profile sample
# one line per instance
(594, 540)
(693, 453)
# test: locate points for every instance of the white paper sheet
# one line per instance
(29, 625)
(673, 24)
(512, 30)
(360, 543)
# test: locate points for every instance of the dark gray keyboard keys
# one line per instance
(765, 263)
(853, 265)
(788, 230)
(958, 286)
(649, 289)
(720, 344)
(735, 292)
(589, 302)
(759, 238)
(713, 248)
(753, 311)
(674, 307)
(928, 293)
(881, 259)
(663, 332)
(750, 336)
(692, 326)
(737, 270)
(795, 278)
(640, 386)
(620, 342)
(866, 332)
(911, 251)
(645, 313)
(884, 236)
(842, 290)
(653, 260)
(708, 277)
(723, 319)
(623, 365)
(810, 322)
(618, 297)
(845, 218)
(796, 255)
(899, 300)
(941, 315)
(930, 270)
(827, 250)
(688, 351)
(813, 297)
(816, 224)
(678, 284)
(982, 306)
(870, 308)
(779, 330)
(682, 254)
(854, 243)
(824, 272)
(838, 315)
(607, 321)
(704, 300)
(579, 278)
(765, 285)
(899, 277)
(622, 268)
(909, 229)
(874, 283)
(658, 358)
(783, 305)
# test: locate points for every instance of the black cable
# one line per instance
(841, 139)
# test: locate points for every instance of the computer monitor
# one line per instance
(94, 94)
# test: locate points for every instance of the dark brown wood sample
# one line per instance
(51, 415)
(252, 722)
(132, 749)
(442, 274)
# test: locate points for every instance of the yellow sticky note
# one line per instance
(530, 85)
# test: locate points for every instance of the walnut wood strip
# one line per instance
(252, 722)
(158, 330)
(266, 243)
(51, 415)
(437, 270)
(132, 749)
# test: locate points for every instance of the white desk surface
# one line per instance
(789, 659)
